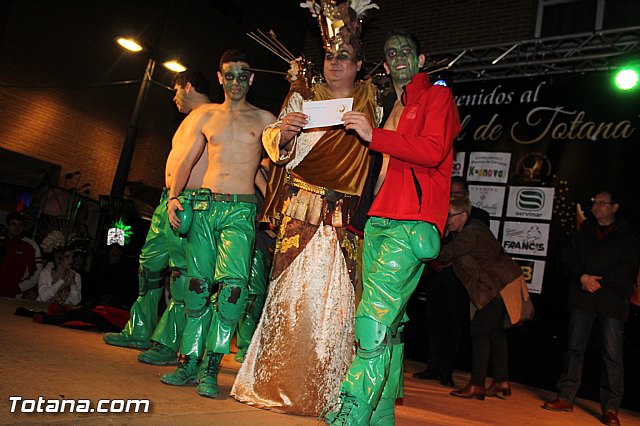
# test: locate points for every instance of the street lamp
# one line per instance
(126, 155)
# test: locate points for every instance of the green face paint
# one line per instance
(235, 80)
(402, 59)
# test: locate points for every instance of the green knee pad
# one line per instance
(249, 322)
(371, 337)
(424, 241)
(196, 298)
(178, 285)
(255, 303)
(148, 280)
(231, 304)
(232, 301)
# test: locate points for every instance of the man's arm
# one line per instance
(33, 269)
(190, 133)
(464, 243)
(427, 149)
(434, 142)
(279, 137)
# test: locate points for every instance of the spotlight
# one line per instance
(626, 79)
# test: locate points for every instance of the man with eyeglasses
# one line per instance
(602, 261)
(447, 304)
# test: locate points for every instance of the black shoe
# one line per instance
(447, 381)
(426, 375)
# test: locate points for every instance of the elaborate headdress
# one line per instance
(340, 21)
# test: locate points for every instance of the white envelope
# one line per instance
(326, 113)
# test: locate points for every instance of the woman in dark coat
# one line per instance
(485, 270)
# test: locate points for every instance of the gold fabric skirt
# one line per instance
(304, 343)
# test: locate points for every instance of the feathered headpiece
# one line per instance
(340, 21)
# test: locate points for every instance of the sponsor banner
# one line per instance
(489, 198)
(525, 238)
(530, 202)
(533, 271)
(494, 225)
(458, 164)
(489, 167)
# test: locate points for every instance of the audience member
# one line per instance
(58, 282)
(20, 260)
(487, 273)
(447, 304)
(602, 264)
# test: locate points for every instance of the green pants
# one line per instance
(220, 247)
(390, 275)
(162, 248)
(255, 301)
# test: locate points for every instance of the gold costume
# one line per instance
(304, 343)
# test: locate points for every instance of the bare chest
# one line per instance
(232, 127)
(394, 117)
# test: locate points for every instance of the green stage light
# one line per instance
(626, 79)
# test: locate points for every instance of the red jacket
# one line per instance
(416, 186)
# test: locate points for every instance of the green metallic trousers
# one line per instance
(255, 301)
(390, 275)
(220, 247)
(162, 248)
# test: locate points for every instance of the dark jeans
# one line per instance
(611, 345)
(447, 318)
(489, 341)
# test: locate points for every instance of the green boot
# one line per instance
(159, 354)
(144, 317)
(240, 355)
(353, 412)
(208, 376)
(186, 372)
(125, 341)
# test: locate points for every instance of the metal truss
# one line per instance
(576, 53)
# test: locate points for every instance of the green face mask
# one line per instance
(235, 80)
(402, 59)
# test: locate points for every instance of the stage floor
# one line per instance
(58, 363)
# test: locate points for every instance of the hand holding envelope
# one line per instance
(326, 113)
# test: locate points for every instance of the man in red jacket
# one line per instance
(405, 222)
(20, 261)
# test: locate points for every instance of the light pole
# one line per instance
(126, 154)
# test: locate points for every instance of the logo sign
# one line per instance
(530, 202)
(489, 198)
(489, 167)
(494, 225)
(533, 271)
(525, 238)
(458, 164)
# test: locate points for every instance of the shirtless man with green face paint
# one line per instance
(235, 79)
(221, 237)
